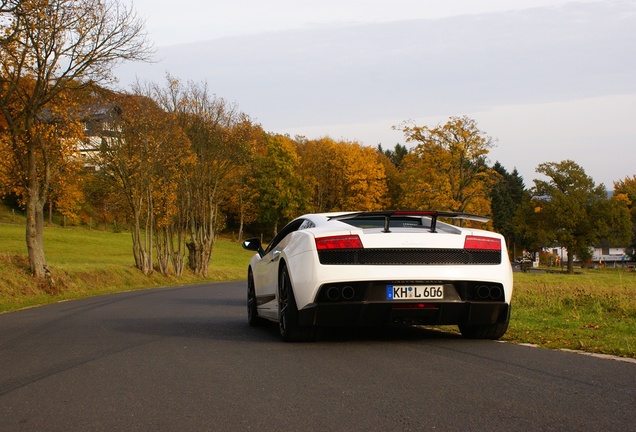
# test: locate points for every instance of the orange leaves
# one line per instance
(447, 169)
(342, 175)
(627, 187)
(423, 185)
(151, 156)
(365, 180)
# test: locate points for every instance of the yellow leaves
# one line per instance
(625, 191)
(365, 180)
(622, 198)
(153, 154)
(447, 168)
(342, 175)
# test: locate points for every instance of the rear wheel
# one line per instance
(488, 331)
(252, 312)
(288, 325)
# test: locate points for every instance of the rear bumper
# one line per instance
(381, 314)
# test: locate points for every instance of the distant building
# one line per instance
(601, 255)
(610, 255)
(99, 125)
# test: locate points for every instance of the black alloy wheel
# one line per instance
(288, 325)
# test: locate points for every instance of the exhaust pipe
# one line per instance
(333, 293)
(348, 293)
(483, 292)
(495, 292)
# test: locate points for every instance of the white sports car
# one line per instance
(380, 268)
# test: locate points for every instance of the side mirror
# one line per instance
(253, 244)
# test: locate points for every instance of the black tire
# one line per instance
(252, 312)
(290, 329)
(489, 331)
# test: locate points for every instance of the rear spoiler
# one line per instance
(433, 214)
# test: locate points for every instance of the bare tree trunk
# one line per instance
(240, 233)
(200, 251)
(201, 244)
(142, 261)
(34, 237)
(176, 254)
(135, 233)
(162, 241)
(149, 232)
(35, 223)
(570, 262)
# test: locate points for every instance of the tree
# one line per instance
(422, 182)
(394, 187)
(49, 49)
(103, 201)
(342, 175)
(392, 162)
(66, 191)
(447, 169)
(147, 162)
(626, 190)
(240, 195)
(9, 32)
(220, 143)
(364, 180)
(396, 155)
(281, 193)
(320, 169)
(507, 197)
(32, 171)
(574, 212)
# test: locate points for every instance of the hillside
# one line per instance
(86, 262)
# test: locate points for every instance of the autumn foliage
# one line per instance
(50, 52)
(447, 168)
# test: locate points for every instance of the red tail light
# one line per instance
(482, 243)
(339, 242)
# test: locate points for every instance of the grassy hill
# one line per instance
(87, 262)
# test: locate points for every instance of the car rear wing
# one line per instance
(433, 214)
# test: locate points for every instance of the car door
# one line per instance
(266, 272)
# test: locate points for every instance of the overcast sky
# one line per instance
(548, 80)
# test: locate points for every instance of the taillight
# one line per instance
(482, 243)
(339, 242)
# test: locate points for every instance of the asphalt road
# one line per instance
(179, 359)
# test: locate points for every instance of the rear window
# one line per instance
(396, 222)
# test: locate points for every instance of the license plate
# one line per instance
(414, 292)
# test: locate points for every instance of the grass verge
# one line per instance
(86, 262)
(593, 311)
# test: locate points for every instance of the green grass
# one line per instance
(92, 262)
(594, 310)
